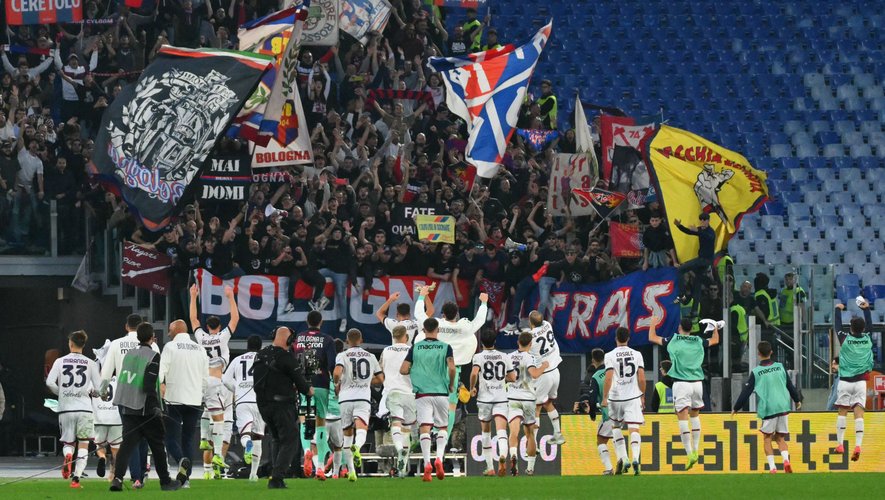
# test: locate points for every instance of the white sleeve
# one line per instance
(480, 319)
(609, 362)
(376, 367)
(225, 335)
(165, 361)
(198, 335)
(389, 324)
(94, 376)
(110, 363)
(340, 360)
(205, 361)
(640, 360)
(52, 378)
(420, 313)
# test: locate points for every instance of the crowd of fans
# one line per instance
(338, 218)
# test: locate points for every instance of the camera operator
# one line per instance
(278, 380)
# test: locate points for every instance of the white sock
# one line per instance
(218, 437)
(531, 464)
(244, 440)
(554, 421)
(513, 452)
(635, 445)
(685, 435)
(771, 465)
(441, 438)
(487, 448)
(695, 433)
(502, 443)
(397, 437)
(620, 445)
(604, 456)
(407, 440)
(68, 450)
(256, 458)
(204, 429)
(785, 455)
(425, 447)
(840, 429)
(858, 431)
(348, 458)
(336, 462)
(82, 455)
(360, 439)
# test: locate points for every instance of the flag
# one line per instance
(156, 135)
(321, 26)
(584, 140)
(19, 12)
(626, 240)
(486, 89)
(359, 17)
(622, 157)
(569, 176)
(283, 118)
(436, 228)
(692, 175)
(253, 34)
(604, 202)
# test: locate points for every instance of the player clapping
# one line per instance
(490, 368)
(624, 393)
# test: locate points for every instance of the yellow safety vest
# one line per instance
(774, 316)
(685, 312)
(722, 267)
(787, 302)
(475, 42)
(553, 110)
(665, 396)
(743, 328)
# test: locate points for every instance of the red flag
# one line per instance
(626, 240)
(468, 175)
(398, 168)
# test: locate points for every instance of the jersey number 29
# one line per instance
(546, 342)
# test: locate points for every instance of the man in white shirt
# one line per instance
(545, 348)
(356, 370)
(184, 376)
(624, 394)
(74, 378)
(460, 333)
(73, 74)
(216, 341)
(113, 365)
(250, 426)
(487, 385)
(399, 397)
(404, 313)
(25, 202)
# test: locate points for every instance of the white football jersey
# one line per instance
(460, 334)
(356, 379)
(392, 358)
(238, 378)
(74, 378)
(544, 346)
(493, 367)
(116, 351)
(105, 412)
(523, 388)
(625, 364)
(410, 325)
(216, 345)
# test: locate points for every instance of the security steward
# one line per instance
(278, 380)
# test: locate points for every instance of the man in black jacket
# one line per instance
(278, 380)
(138, 397)
(707, 248)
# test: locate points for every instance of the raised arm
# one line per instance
(194, 317)
(381, 314)
(234, 311)
(480, 318)
(653, 337)
(714, 340)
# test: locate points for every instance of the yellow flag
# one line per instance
(693, 175)
(436, 228)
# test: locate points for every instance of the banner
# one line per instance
(226, 177)
(321, 25)
(570, 173)
(145, 268)
(20, 12)
(464, 4)
(626, 240)
(622, 160)
(693, 175)
(729, 445)
(548, 460)
(436, 228)
(277, 126)
(584, 139)
(156, 135)
(486, 89)
(359, 17)
(402, 218)
(585, 316)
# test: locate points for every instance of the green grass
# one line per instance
(854, 485)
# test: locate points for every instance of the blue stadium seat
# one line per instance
(790, 246)
(826, 258)
(819, 246)
(844, 246)
(854, 257)
(847, 293)
(847, 280)
(807, 234)
(874, 292)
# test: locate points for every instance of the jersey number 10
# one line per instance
(360, 368)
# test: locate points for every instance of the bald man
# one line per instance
(184, 376)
